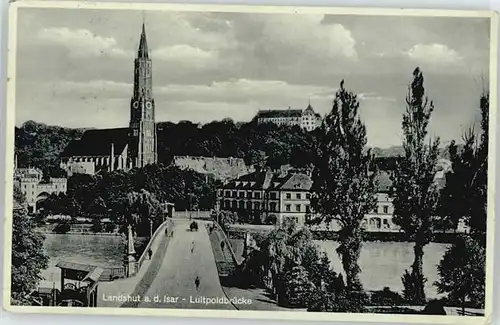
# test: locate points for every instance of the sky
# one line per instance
(75, 66)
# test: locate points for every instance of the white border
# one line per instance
(282, 315)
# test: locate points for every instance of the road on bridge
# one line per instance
(174, 285)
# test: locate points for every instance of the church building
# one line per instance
(121, 148)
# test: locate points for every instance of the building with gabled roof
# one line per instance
(274, 196)
(306, 119)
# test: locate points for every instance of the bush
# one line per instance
(348, 302)
(387, 297)
(271, 219)
(109, 227)
(96, 226)
(298, 288)
(462, 272)
(62, 227)
(411, 283)
(434, 307)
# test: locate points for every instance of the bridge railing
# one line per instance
(159, 230)
(113, 273)
(227, 242)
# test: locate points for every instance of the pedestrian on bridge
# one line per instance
(197, 283)
(222, 244)
(150, 253)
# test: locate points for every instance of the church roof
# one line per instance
(143, 45)
(98, 143)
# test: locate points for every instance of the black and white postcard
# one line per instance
(263, 162)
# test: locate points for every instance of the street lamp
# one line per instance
(150, 228)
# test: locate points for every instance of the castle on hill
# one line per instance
(306, 119)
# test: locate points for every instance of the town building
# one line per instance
(380, 219)
(223, 169)
(121, 148)
(275, 196)
(285, 195)
(35, 188)
(306, 119)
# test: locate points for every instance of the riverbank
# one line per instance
(238, 231)
(77, 229)
(79, 233)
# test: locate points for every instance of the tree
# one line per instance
(416, 194)
(478, 216)
(462, 272)
(28, 256)
(343, 184)
(141, 211)
(225, 218)
(39, 145)
(54, 204)
(459, 196)
(277, 253)
(97, 209)
(298, 287)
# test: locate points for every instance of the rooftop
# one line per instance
(299, 182)
(98, 143)
(275, 113)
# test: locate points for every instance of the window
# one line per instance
(288, 196)
(242, 204)
(234, 193)
(257, 205)
(227, 193)
(308, 209)
(273, 207)
(257, 195)
(297, 196)
(241, 194)
(273, 195)
(287, 207)
(234, 204)
(297, 207)
(249, 195)
(308, 196)
(386, 209)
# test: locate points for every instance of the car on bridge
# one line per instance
(193, 226)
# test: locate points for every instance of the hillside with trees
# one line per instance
(39, 145)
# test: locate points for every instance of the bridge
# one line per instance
(168, 278)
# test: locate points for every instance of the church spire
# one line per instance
(143, 44)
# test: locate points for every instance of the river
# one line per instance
(90, 249)
(383, 263)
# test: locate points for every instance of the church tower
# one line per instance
(142, 142)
